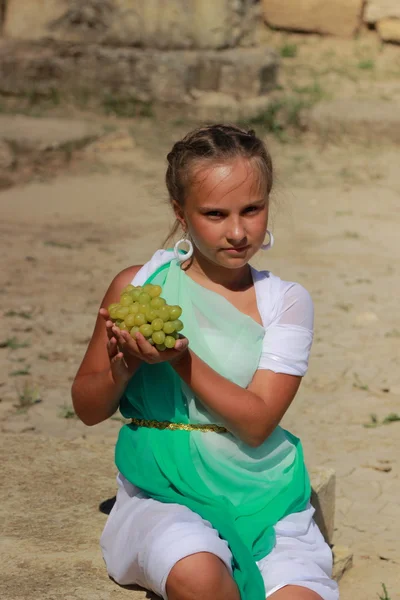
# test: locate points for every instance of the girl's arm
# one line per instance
(251, 414)
(104, 372)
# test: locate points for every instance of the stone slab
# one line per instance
(389, 30)
(338, 17)
(323, 499)
(363, 121)
(342, 561)
(375, 10)
(34, 133)
(151, 24)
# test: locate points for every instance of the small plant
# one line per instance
(58, 244)
(366, 64)
(394, 333)
(288, 50)
(384, 595)
(27, 397)
(359, 384)
(18, 372)
(391, 418)
(18, 313)
(43, 356)
(13, 344)
(67, 412)
(372, 423)
(351, 235)
(346, 307)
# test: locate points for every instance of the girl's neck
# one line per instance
(200, 269)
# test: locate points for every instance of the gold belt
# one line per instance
(175, 426)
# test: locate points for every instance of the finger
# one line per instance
(112, 347)
(181, 344)
(109, 331)
(103, 312)
(145, 347)
(127, 343)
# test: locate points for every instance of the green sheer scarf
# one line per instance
(242, 491)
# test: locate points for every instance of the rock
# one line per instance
(342, 561)
(32, 133)
(129, 81)
(117, 141)
(7, 158)
(150, 24)
(359, 120)
(338, 17)
(323, 483)
(389, 30)
(377, 10)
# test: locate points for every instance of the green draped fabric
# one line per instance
(242, 491)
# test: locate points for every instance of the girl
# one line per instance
(213, 498)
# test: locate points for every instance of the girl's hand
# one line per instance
(122, 367)
(140, 348)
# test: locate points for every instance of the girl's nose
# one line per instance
(236, 234)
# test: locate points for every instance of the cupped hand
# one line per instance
(122, 366)
(140, 348)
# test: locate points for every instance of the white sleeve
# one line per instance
(288, 338)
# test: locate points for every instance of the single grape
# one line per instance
(157, 325)
(169, 327)
(151, 341)
(118, 322)
(130, 320)
(147, 288)
(129, 288)
(178, 325)
(158, 337)
(122, 312)
(163, 313)
(126, 300)
(169, 341)
(146, 330)
(143, 308)
(161, 347)
(175, 335)
(113, 306)
(155, 291)
(151, 314)
(123, 326)
(140, 319)
(113, 313)
(144, 298)
(135, 294)
(175, 312)
(157, 302)
(134, 331)
(134, 308)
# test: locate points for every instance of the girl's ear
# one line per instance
(179, 214)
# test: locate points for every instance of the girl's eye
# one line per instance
(214, 214)
(251, 209)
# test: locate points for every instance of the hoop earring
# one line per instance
(183, 256)
(270, 243)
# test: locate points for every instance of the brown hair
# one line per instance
(213, 143)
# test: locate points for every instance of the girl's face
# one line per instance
(226, 212)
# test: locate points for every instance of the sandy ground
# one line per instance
(335, 220)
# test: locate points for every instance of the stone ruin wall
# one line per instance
(199, 56)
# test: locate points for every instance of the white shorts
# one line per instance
(143, 539)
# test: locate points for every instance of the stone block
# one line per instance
(389, 30)
(338, 17)
(342, 561)
(377, 10)
(323, 483)
(151, 24)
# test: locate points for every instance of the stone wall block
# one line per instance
(389, 30)
(323, 500)
(377, 10)
(335, 17)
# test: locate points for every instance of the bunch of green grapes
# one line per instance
(142, 309)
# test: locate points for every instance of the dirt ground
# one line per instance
(335, 218)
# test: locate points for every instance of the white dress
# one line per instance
(143, 538)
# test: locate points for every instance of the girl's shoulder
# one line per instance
(275, 296)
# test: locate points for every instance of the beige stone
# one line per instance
(7, 158)
(152, 24)
(389, 30)
(338, 17)
(342, 561)
(376, 10)
(323, 483)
